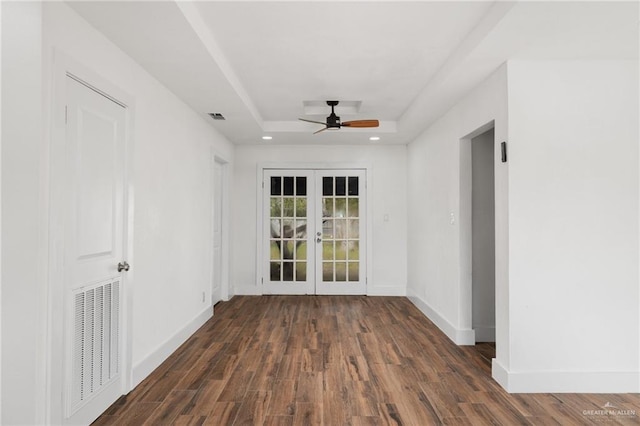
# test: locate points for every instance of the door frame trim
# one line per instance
(262, 166)
(224, 253)
(66, 67)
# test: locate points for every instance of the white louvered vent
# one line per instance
(96, 340)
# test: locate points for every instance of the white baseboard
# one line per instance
(252, 290)
(457, 335)
(485, 333)
(565, 381)
(249, 290)
(500, 374)
(145, 367)
(387, 291)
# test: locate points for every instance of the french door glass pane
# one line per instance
(288, 185)
(340, 251)
(301, 186)
(341, 186)
(288, 206)
(341, 271)
(341, 207)
(327, 186)
(327, 271)
(301, 271)
(354, 250)
(276, 185)
(354, 229)
(275, 271)
(287, 271)
(354, 271)
(353, 186)
(354, 207)
(276, 207)
(327, 228)
(301, 207)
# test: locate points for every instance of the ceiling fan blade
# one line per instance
(360, 123)
(321, 130)
(312, 121)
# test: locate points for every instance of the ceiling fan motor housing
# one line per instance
(333, 121)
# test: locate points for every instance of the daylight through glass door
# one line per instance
(288, 236)
(313, 230)
(339, 264)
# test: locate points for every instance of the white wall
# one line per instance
(573, 208)
(387, 194)
(22, 288)
(567, 313)
(483, 237)
(172, 165)
(439, 240)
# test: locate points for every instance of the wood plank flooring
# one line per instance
(339, 360)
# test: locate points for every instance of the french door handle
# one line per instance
(318, 240)
(123, 266)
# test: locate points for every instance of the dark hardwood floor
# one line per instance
(340, 360)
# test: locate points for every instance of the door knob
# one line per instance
(123, 266)
(318, 240)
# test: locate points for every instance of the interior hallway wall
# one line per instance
(173, 191)
(439, 273)
(172, 167)
(23, 292)
(387, 193)
(570, 270)
(573, 234)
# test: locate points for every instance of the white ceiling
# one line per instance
(406, 62)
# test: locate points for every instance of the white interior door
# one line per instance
(216, 290)
(94, 248)
(314, 232)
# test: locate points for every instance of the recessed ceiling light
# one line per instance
(374, 138)
(267, 138)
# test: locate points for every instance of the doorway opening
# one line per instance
(483, 248)
(478, 236)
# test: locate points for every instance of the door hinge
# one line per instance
(262, 184)
(262, 280)
(65, 114)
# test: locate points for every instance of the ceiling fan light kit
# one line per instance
(333, 121)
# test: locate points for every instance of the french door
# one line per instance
(314, 236)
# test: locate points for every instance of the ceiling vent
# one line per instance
(217, 116)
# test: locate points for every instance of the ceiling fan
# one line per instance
(333, 121)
